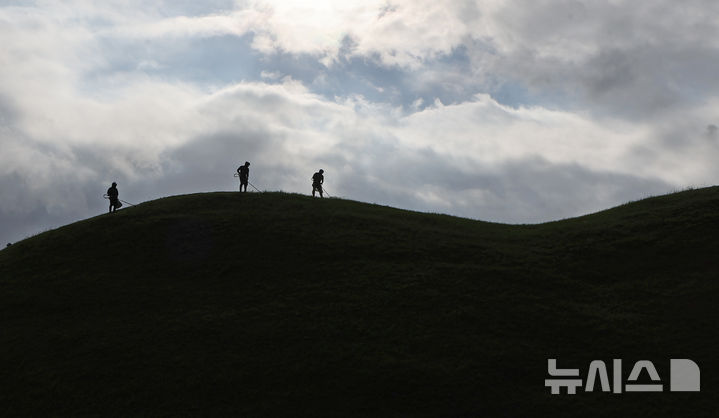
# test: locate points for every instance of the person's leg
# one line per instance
(110, 209)
(313, 191)
(320, 190)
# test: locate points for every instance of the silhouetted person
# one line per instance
(317, 180)
(244, 172)
(113, 194)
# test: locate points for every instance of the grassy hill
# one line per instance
(276, 304)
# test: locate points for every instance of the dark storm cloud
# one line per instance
(524, 190)
(25, 213)
(711, 131)
(209, 163)
(8, 112)
(628, 59)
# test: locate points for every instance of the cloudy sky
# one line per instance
(510, 111)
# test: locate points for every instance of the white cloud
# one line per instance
(404, 33)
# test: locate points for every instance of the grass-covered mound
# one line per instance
(276, 304)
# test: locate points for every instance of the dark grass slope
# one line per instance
(283, 305)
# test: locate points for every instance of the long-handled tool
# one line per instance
(248, 182)
(253, 186)
(127, 203)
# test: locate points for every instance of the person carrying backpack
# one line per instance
(317, 180)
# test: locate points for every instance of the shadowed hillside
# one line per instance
(276, 304)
